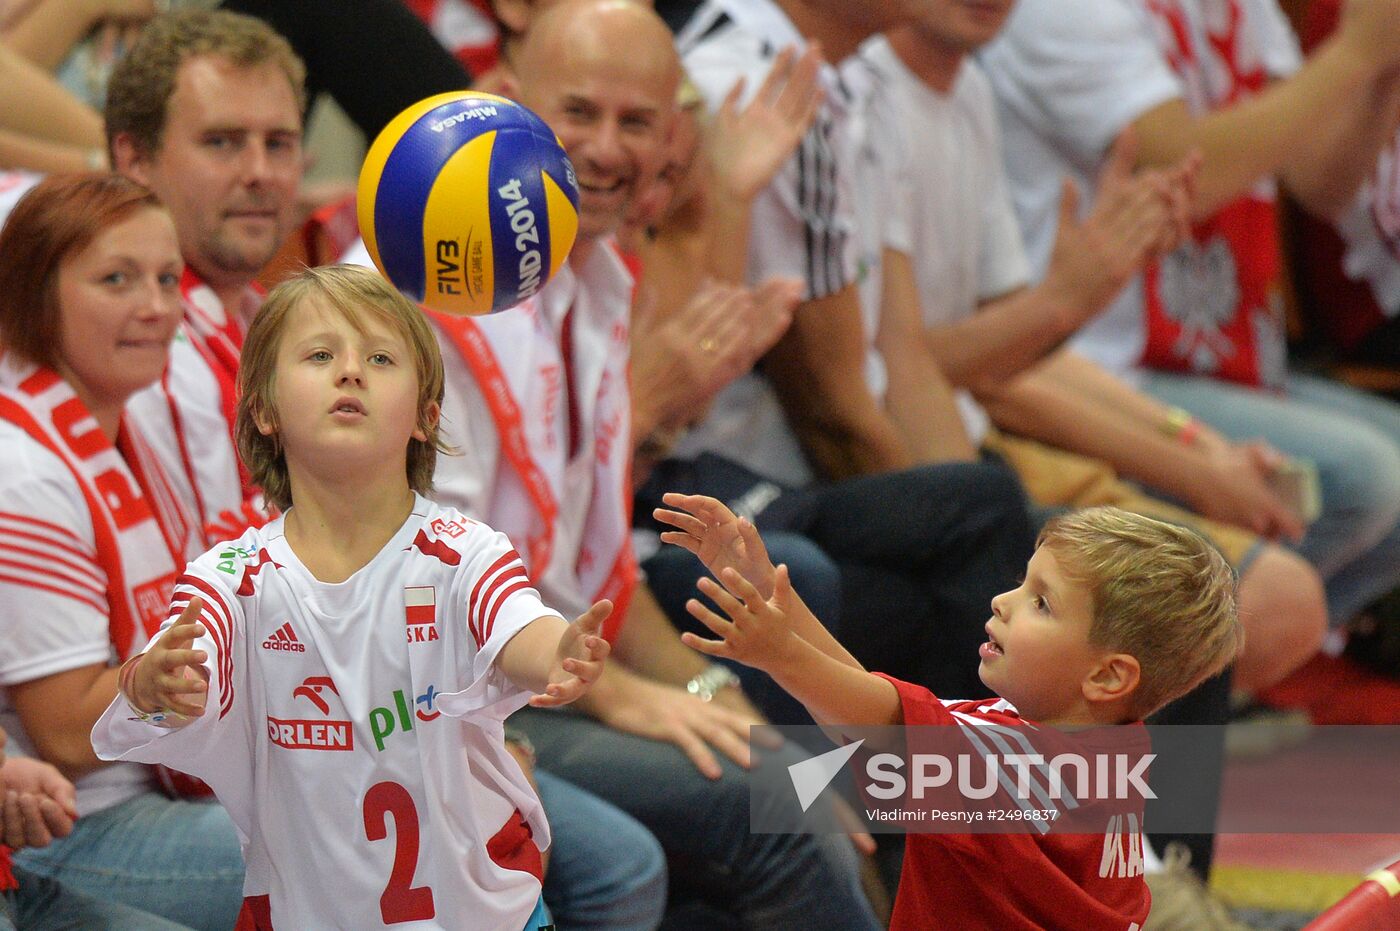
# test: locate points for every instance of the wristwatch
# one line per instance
(714, 677)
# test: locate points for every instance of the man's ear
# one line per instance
(129, 159)
(1115, 677)
(429, 420)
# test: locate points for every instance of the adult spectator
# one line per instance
(206, 110)
(93, 538)
(1078, 426)
(603, 74)
(1202, 330)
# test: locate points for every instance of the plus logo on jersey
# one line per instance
(284, 640)
(420, 613)
(311, 734)
(384, 721)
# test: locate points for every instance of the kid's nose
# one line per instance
(351, 372)
(999, 605)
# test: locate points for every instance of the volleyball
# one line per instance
(468, 203)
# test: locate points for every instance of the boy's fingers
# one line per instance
(598, 649)
(708, 647)
(179, 685)
(683, 540)
(740, 586)
(782, 585)
(753, 541)
(174, 659)
(191, 611)
(710, 619)
(727, 603)
(680, 520)
(592, 620)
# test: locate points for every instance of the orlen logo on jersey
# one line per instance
(284, 640)
(311, 734)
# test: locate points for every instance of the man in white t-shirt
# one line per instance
(1203, 329)
(998, 339)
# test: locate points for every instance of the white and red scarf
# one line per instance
(523, 376)
(143, 533)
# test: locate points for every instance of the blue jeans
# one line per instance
(180, 860)
(761, 880)
(1354, 440)
(673, 572)
(40, 904)
(605, 871)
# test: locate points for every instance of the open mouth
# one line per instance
(992, 647)
(348, 406)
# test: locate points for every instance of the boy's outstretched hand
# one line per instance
(759, 631)
(579, 658)
(718, 538)
(169, 676)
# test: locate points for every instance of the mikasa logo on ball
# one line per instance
(475, 113)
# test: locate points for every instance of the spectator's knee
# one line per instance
(1364, 485)
(1284, 611)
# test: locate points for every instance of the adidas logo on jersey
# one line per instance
(284, 640)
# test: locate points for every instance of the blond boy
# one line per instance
(1118, 615)
(340, 676)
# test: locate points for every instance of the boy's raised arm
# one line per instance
(721, 540)
(760, 633)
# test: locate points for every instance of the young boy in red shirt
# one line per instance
(1118, 615)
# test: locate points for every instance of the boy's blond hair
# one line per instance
(1161, 593)
(352, 291)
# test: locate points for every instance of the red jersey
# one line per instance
(1013, 882)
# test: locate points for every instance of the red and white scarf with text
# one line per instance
(524, 376)
(143, 533)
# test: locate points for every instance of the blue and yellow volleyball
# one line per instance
(468, 203)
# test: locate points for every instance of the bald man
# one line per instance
(544, 459)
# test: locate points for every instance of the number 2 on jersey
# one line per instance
(400, 901)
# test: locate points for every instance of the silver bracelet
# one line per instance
(714, 677)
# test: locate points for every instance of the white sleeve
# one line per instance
(801, 226)
(1004, 266)
(1278, 43)
(54, 592)
(205, 746)
(494, 599)
(1078, 72)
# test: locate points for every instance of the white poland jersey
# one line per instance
(353, 730)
